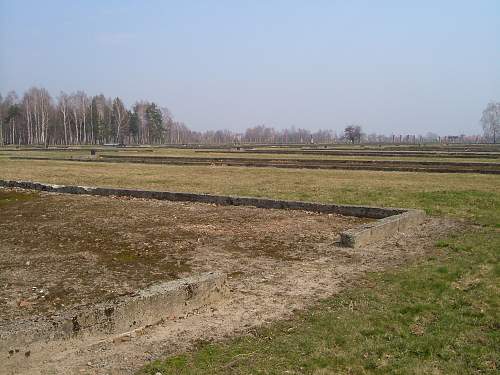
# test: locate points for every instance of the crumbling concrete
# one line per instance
(347, 210)
(381, 229)
(146, 307)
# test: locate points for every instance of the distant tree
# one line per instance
(78, 105)
(155, 120)
(133, 126)
(490, 120)
(143, 133)
(63, 107)
(353, 133)
(120, 120)
(14, 116)
(36, 107)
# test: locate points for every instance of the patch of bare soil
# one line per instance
(59, 250)
(278, 261)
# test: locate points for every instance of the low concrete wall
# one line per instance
(391, 220)
(347, 210)
(382, 228)
(124, 314)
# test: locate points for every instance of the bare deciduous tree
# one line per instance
(63, 108)
(353, 133)
(490, 120)
(120, 116)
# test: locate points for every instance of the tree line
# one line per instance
(36, 118)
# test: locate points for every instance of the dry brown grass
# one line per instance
(460, 195)
(192, 153)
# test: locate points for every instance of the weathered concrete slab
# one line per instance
(380, 229)
(147, 307)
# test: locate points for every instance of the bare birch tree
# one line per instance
(490, 120)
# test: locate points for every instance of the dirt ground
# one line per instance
(62, 250)
(279, 261)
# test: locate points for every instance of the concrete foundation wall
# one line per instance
(391, 220)
(124, 314)
(182, 296)
(347, 210)
(381, 229)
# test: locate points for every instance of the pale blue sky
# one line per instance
(391, 66)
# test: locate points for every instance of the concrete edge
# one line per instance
(223, 200)
(147, 307)
(389, 220)
(366, 234)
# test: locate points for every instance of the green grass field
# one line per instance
(439, 316)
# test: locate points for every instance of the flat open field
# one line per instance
(354, 158)
(472, 196)
(356, 152)
(60, 250)
(260, 153)
(424, 302)
(382, 165)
